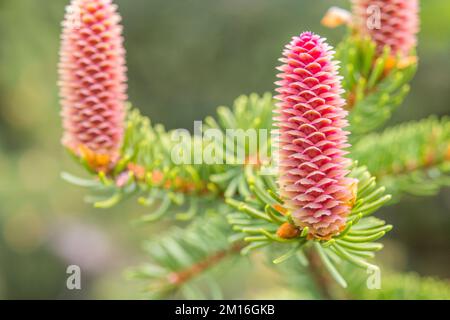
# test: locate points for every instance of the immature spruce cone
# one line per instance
(93, 81)
(398, 25)
(311, 119)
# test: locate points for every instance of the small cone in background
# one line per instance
(393, 23)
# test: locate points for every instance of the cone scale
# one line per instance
(93, 82)
(311, 121)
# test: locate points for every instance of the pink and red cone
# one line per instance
(310, 119)
(93, 82)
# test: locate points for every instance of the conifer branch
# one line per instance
(319, 207)
(375, 85)
(178, 278)
(409, 158)
(181, 259)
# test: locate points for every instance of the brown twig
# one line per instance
(318, 273)
(157, 178)
(179, 277)
(325, 284)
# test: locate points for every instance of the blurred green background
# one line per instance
(185, 58)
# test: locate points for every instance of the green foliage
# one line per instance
(151, 147)
(146, 170)
(409, 158)
(406, 286)
(182, 259)
(403, 286)
(374, 86)
(248, 112)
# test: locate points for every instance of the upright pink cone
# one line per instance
(311, 119)
(93, 81)
(394, 23)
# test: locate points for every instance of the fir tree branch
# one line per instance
(375, 85)
(410, 158)
(146, 166)
(180, 277)
(183, 258)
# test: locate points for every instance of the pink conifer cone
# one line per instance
(93, 82)
(310, 120)
(398, 23)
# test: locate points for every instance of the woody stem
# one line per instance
(321, 278)
(180, 277)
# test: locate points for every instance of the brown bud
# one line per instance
(288, 231)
